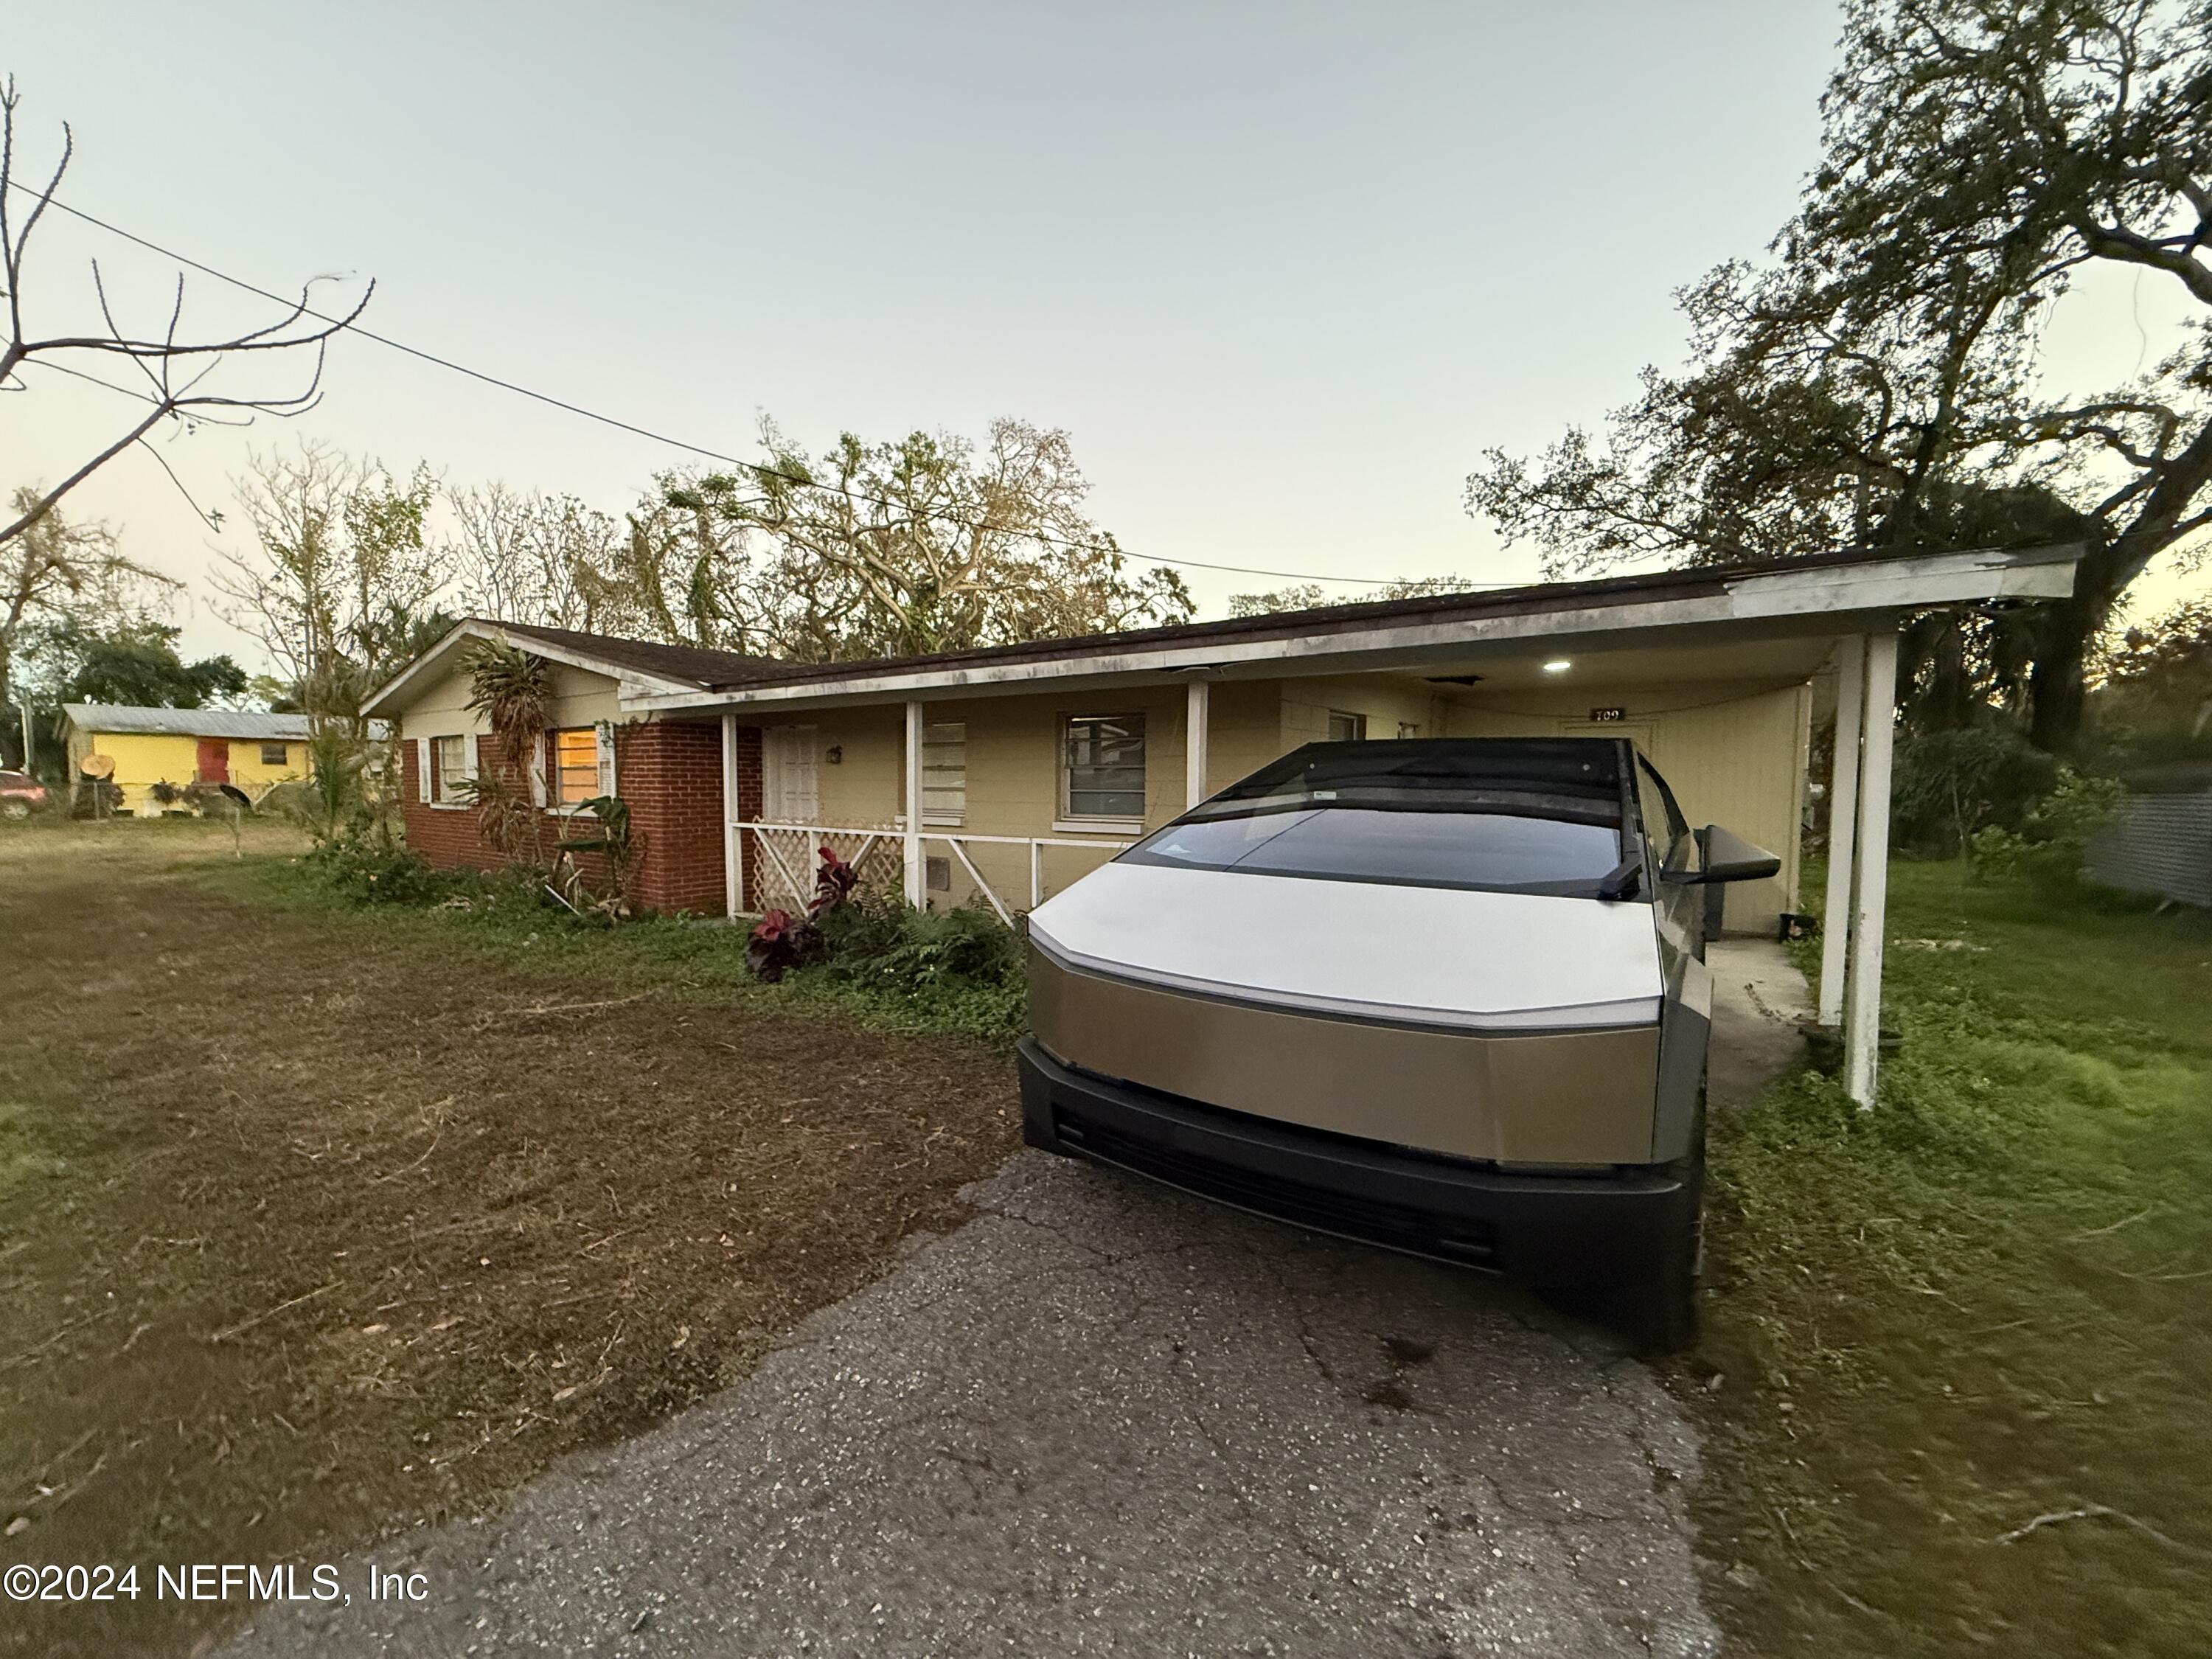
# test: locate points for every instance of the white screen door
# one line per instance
(788, 790)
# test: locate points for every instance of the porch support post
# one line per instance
(1194, 742)
(733, 877)
(1843, 823)
(1862, 1011)
(917, 891)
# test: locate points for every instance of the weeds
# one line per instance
(1986, 1300)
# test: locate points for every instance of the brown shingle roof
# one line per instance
(724, 671)
(696, 664)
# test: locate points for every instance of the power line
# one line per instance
(756, 468)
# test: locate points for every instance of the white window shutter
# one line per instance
(538, 793)
(422, 769)
(605, 732)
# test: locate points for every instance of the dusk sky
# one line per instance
(1283, 271)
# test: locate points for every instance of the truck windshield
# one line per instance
(1510, 816)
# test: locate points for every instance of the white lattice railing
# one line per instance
(783, 864)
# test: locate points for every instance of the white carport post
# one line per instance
(1843, 823)
(1862, 1010)
(1194, 737)
(917, 891)
(733, 875)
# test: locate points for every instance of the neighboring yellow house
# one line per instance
(244, 755)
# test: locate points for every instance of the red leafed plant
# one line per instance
(781, 941)
(832, 882)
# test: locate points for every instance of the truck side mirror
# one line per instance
(1729, 857)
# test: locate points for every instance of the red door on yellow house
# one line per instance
(213, 761)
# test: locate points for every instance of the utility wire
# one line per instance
(756, 468)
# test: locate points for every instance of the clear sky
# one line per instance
(1284, 271)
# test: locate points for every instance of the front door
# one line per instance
(789, 793)
(214, 764)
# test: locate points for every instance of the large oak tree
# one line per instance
(1873, 380)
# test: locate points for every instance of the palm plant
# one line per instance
(512, 690)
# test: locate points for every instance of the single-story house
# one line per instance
(244, 755)
(999, 774)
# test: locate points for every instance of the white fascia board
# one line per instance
(1827, 595)
(632, 685)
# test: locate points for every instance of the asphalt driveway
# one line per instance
(1101, 1418)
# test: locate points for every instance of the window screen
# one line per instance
(1105, 766)
(576, 764)
(452, 758)
(272, 754)
(945, 772)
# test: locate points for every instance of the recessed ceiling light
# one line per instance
(1557, 666)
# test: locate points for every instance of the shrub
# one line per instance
(2054, 839)
(1951, 785)
(900, 948)
(369, 870)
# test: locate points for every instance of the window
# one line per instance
(451, 757)
(945, 773)
(576, 765)
(1346, 728)
(1105, 766)
(1520, 819)
(274, 754)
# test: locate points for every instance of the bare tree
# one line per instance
(529, 558)
(339, 591)
(174, 376)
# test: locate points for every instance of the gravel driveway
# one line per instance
(1101, 1418)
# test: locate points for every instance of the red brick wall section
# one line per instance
(445, 835)
(670, 774)
(748, 809)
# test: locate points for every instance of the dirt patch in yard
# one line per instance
(310, 1232)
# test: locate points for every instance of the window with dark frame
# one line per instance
(451, 756)
(576, 765)
(1103, 764)
(274, 754)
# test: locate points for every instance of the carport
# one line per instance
(973, 768)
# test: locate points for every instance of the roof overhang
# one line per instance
(392, 696)
(1823, 600)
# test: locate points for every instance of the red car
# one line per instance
(19, 794)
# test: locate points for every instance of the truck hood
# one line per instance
(1426, 956)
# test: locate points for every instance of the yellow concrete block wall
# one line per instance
(249, 771)
(143, 759)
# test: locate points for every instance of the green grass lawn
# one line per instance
(1987, 1300)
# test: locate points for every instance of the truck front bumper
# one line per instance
(1547, 1230)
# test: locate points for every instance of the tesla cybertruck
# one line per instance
(1447, 996)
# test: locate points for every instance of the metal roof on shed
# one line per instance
(238, 723)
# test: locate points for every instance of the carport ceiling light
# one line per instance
(1557, 666)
